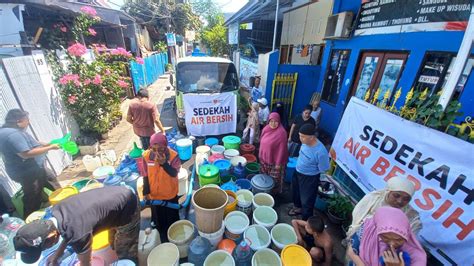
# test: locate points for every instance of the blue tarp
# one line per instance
(145, 74)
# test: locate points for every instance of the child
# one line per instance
(263, 112)
(316, 113)
(253, 127)
(313, 236)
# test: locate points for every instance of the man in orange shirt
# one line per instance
(143, 115)
(161, 182)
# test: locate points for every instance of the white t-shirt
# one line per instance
(263, 114)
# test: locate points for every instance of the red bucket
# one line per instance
(247, 149)
(215, 157)
(250, 158)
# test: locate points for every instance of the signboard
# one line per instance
(247, 69)
(378, 17)
(210, 114)
(372, 145)
(234, 33)
(170, 39)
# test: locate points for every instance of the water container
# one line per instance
(239, 171)
(227, 245)
(182, 181)
(203, 149)
(290, 169)
(224, 167)
(262, 183)
(217, 149)
(108, 157)
(214, 237)
(211, 142)
(219, 258)
(262, 199)
(236, 223)
(164, 254)
(215, 157)
(250, 158)
(91, 162)
(209, 204)
(266, 257)
(61, 194)
(243, 254)
(243, 184)
(236, 160)
(181, 233)
(101, 173)
(112, 180)
(208, 174)
(265, 216)
(198, 250)
(199, 160)
(244, 200)
(231, 142)
(252, 168)
(185, 149)
(230, 153)
(131, 181)
(231, 203)
(147, 240)
(295, 255)
(247, 148)
(282, 235)
(259, 237)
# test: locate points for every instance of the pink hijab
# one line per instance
(389, 219)
(273, 143)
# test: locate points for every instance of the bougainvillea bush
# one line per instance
(92, 91)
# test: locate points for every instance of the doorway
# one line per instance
(378, 70)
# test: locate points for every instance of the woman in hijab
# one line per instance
(161, 182)
(386, 239)
(397, 194)
(253, 126)
(273, 154)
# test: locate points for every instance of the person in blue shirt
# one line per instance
(312, 161)
(257, 91)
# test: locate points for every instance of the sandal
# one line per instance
(294, 212)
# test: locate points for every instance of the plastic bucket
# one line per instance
(185, 149)
(265, 216)
(182, 181)
(209, 204)
(92, 184)
(100, 240)
(164, 254)
(61, 194)
(263, 199)
(211, 142)
(243, 184)
(290, 169)
(35, 216)
(250, 158)
(103, 172)
(224, 167)
(131, 181)
(203, 149)
(247, 148)
(252, 168)
(266, 257)
(294, 255)
(283, 235)
(219, 258)
(215, 157)
(230, 153)
(113, 180)
(231, 142)
(231, 202)
(214, 237)
(259, 237)
(238, 159)
(81, 183)
(244, 201)
(217, 149)
(181, 233)
(236, 222)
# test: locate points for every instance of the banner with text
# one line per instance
(210, 114)
(372, 145)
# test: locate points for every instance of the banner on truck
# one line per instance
(372, 145)
(210, 114)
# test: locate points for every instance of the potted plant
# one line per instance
(339, 209)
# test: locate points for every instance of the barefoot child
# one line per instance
(313, 236)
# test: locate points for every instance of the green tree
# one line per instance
(215, 37)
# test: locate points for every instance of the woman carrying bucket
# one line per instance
(161, 182)
(273, 153)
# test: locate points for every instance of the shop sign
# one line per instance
(210, 114)
(372, 145)
(377, 17)
(429, 79)
(170, 39)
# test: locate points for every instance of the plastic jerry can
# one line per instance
(91, 162)
(147, 240)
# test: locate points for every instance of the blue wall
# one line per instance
(415, 44)
(145, 74)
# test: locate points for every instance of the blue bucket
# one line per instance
(113, 180)
(131, 181)
(211, 142)
(290, 169)
(185, 149)
(224, 167)
(243, 184)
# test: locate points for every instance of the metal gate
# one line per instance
(283, 90)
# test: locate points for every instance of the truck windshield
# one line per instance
(206, 77)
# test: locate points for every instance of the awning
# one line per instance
(259, 9)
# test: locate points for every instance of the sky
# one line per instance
(227, 6)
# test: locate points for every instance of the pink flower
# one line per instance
(64, 80)
(89, 11)
(87, 81)
(77, 83)
(97, 79)
(121, 52)
(92, 32)
(140, 60)
(122, 84)
(72, 99)
(107, 71)
(77, 49)
(63, 28)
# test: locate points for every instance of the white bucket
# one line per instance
(266, 257)
(108, 157)
(182, 181)
(199, 160)
(238, 159)
(217, 149)
(181, 233)
(265, 216)
(236, 222)
(230, 153)
(283, 235)
(203, 149)
(263, 199)
(164, 254)
(259, 237)
(103, 172)
(215, 237)
(219, 258)
(244, 198)
(91, 162)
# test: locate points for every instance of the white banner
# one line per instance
(210, 114)
(372, 145)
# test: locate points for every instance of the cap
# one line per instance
(263, 101)
(307, 129)
(30, 239)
